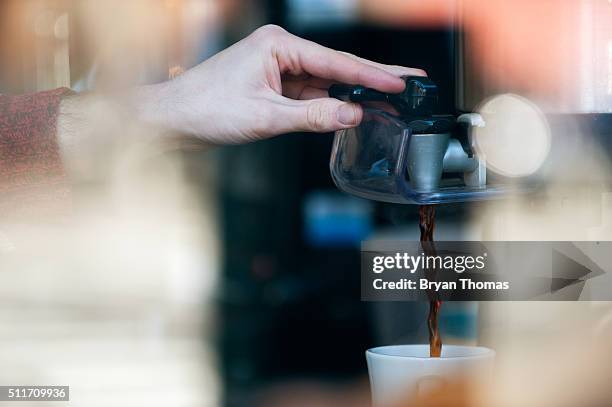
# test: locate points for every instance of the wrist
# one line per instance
(158, 107)
(151, 105)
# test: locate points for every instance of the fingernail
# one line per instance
(347, 115)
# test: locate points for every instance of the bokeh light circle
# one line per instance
(515, 139)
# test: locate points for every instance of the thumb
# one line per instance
(322, 115)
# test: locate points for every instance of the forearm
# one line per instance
(94, 128)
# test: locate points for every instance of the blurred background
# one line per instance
(231, 277)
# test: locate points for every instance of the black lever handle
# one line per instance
(418, 99)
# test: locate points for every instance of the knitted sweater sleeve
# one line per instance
(32, 177)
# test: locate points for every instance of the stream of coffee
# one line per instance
(427, 224)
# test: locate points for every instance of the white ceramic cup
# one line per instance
(402, 372)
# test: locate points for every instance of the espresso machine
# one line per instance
(406, 151)
(516, 124)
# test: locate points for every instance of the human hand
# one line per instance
(270, 83)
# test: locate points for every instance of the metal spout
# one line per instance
(431, 155)
(426, 160)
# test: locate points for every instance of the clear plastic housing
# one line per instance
(371, 161)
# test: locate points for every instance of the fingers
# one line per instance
(302, 55)
(393, 69)
(317, 115)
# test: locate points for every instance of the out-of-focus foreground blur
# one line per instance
(231, 277)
